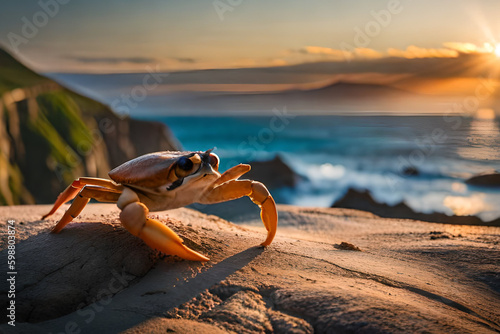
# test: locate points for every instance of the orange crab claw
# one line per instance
(269, 215)
(158, 236)
(155, 234)
(258, 193)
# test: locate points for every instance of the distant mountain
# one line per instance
(339, 96)
(50, 135)
(347, 90)
(386, 85)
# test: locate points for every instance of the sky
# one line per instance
(88, 36)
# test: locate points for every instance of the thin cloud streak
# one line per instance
(113, 60)
(414, 51)
(449, 50)
(290, 57)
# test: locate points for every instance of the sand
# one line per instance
(389, 276)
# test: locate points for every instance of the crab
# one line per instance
(161, 181)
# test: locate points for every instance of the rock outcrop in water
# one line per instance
(363, 200)
(485, 180)
(274, 173)
(50, 135)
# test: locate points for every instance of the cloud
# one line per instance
(279, 62)
(124, 64)
(449, 50)
(367, 53)
(319, 50)
(461, 47)
(469, 48)
(113, 60)
(413, 52)
(185, 60)
(336, 54)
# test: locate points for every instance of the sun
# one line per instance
(497, 50)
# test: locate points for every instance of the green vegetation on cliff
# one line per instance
(50, 135)
(14, 75)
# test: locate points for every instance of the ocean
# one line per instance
(335, 153)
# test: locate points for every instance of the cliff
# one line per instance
(50, 135)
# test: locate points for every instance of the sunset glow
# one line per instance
(485, 113)
(194, 35)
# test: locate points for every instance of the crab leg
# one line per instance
(232, 174)
(154, 233)
(99, 193)
(257, 192)
(65, 196)
(70, 192)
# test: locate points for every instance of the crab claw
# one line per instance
(155, 234)
(227, 188)
(269, 215)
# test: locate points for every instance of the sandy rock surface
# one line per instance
(409, 276)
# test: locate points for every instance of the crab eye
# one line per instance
(185, 164)
(213, 159)
(184, 167)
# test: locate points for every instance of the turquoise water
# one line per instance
(334, 153)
